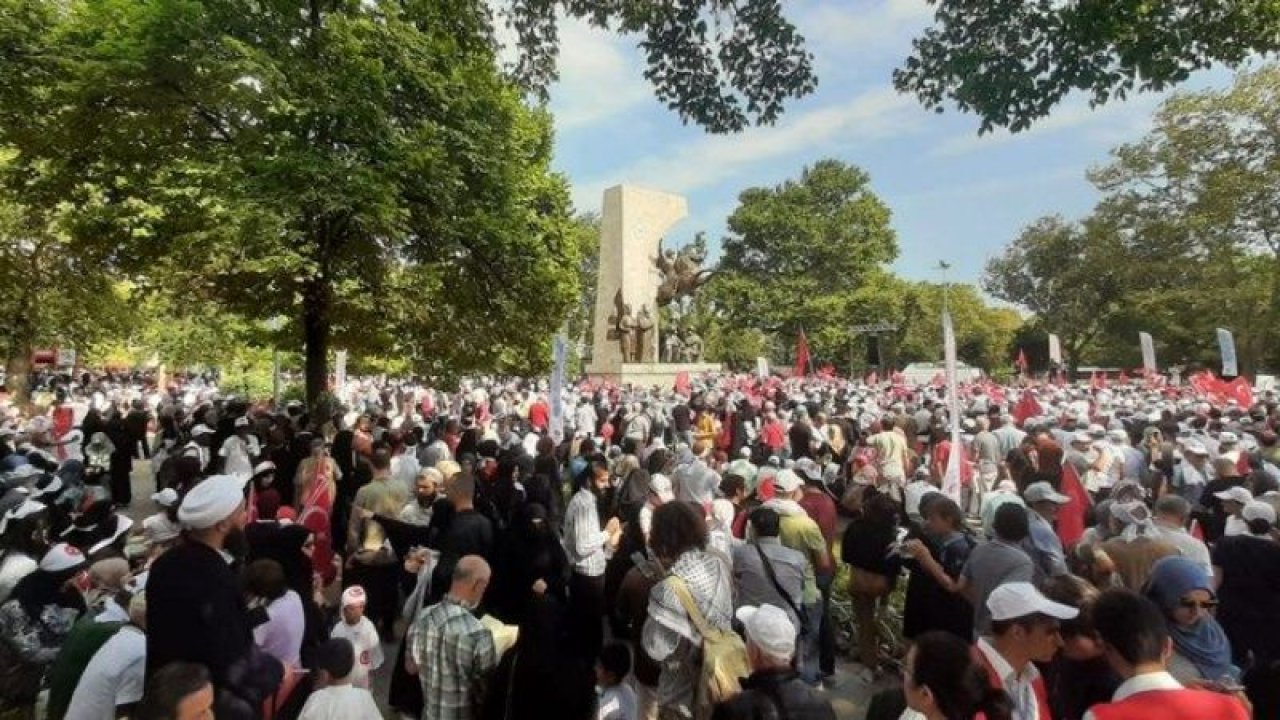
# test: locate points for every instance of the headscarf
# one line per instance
(1136, 518)
(1204, 643)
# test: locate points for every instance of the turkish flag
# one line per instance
(1027, 407)
(802, 356)
(682, 382)
(1071, 515)
(1021, 362)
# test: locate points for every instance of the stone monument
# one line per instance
(637, 276)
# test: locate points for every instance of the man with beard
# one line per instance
(418, 510)
(588, 546)
(195, 610)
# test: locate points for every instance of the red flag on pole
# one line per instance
(1027, 407)
(802, 356)
(1021, 362)
(1071, 515)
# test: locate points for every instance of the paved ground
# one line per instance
(849, 695)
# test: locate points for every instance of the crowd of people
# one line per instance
(623, 553)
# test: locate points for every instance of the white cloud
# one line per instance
(872, 115)
(600, 77)
(861, 30)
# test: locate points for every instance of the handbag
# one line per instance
(773, 578)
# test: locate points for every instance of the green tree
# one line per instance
(1012, 61)
(799, 255)
(984, 334)
(358, 167)
(1066, 274)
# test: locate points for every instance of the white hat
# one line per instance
(165, 498)
(1118, 435)
(1259, 510)
(1195, 447)
(1235, 494)
(660, 485)
(1096, 430)
(769, 628)
(242, 421)
(1228, 438)
(212, 501)
(201, 429)
(26, 509)
(787, 481)
(1081, 437)
(353, 595)
(263, 468)
(1043, 492)
(62, 557)
(1020, 599)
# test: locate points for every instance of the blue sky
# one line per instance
(955, 196)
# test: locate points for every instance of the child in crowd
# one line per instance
(334, 697)
(617, 699)
(359, 630)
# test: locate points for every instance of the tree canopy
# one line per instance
(1011, 62)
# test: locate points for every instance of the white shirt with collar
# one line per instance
(1020, 686)
(1146, 682)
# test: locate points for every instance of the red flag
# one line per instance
(1071, 515)
(683, 386)
(1123, 379)
(802, 356)
(1027, 407)
(873, 378)
(1195, 530)
(1021, 362)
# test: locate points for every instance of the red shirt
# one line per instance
(539, 415)
(822, 509)
(773, 435)
(1185, 704)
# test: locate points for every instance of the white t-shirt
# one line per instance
(236, 453)
(368, 648)
(112, 678)
(340, 702)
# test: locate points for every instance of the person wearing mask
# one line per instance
(449, 649)
(1136, 641)
(941, 681)
(195, 610)
(334, 697)
(1201, 654)
(1042, 543)
(773, 689)
(697, 580)
(111, 684)
(1025, 630)
(34, 623)
(588, 543)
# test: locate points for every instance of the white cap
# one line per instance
(1096, 430)
(1020, 599)
(660, 485)
(787, 481)
(1195, 447)
(62, 557)
(1043, 492)
(263, 468)
(770, 629)
(1228, 438)
(242, 421)
(165, 498)
(212, 501)
(201, 429)
(1235, 494)
(1118, 435)
(1259, 510)
(353, 595)
(1081, 437)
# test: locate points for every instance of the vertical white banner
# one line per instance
(951, 479)
(1055, 349)
(762, 368)
(1227, 345)
(556, 392)
(1148, 352)
(340, 372)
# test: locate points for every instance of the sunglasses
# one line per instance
(1196, 605)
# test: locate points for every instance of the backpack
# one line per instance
(724, 657)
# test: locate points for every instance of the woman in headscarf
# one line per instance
(291, 545)
(540, 672)
(532, 563)
(317, 487)
(34, 623)
(1201, 651)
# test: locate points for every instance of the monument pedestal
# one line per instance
(662, 375)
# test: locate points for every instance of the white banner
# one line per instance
(1227, 345)
(66, 357)
(556, 392)
(340, 372)
(762, 368)
(951, 479)
(1055, 349)
(1148, 352)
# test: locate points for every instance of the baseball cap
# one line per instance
(660, 485)
(201, 429)
(1043, 491)
(808, 470)
(1195, 447)
(1020, 599)
(1259, 510)
(1228, 438)
(768, 628)
(1081, 437)
(1235, 494)
(787, 481)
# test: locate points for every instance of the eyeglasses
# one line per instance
(1197, 605)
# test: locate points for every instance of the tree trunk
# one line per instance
(18, 364)
(316, 330)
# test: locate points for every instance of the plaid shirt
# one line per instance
(584, 541)
(452, 650)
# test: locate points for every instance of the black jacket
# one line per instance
(775, 695)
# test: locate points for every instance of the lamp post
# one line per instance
(274, 325)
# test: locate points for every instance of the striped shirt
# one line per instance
(452, 650)
(584, 541)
